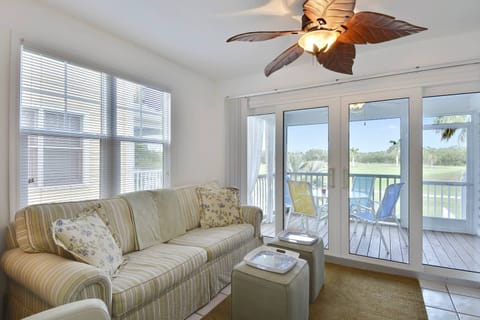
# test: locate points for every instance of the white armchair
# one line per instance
(91, 309)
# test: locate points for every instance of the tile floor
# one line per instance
(448, 301)
(442, 301)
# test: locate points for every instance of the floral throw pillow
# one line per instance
(89, 240)
(219, 207)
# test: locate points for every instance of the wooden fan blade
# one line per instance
(334, 12)
(285, 58)
(371, 27)
(338, 58)
(262, 35)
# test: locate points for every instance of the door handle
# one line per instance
(331, 177)
(346, 178)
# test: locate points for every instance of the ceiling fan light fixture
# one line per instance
(330, 30)
(318, 41)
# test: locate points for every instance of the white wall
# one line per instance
(197, 121)
(4, 87)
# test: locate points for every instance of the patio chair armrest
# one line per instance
(361, 207)
(254, 216)
(56, 280)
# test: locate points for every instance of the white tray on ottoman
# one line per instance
(272, 259)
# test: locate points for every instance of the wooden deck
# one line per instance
(444, 249)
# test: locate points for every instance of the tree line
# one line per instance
(315, 159)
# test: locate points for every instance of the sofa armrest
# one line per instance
(91, 309)
(55, 279)
(254, 216)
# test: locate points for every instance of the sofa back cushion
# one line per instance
(156, 216)
(33, 224)
(172, 223)
(189, 204)
(11, 238)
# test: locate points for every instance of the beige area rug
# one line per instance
(351, 293)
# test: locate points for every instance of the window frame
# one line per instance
(109, 159)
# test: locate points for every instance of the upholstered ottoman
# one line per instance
(259, 294)
(313, 254)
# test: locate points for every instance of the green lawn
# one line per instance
(440, 173)
(433, 206)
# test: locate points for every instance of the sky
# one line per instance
(368, 136)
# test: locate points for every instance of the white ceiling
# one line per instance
(192, 33)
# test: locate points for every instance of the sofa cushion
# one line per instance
(172, 224)
(217, 241)
(219, 207)
(89, 240)
(189, 205)
(149, 273)
(156, 217)
(33, 224)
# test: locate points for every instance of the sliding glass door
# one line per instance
(378, 145)
(306, 171)
(451, 161)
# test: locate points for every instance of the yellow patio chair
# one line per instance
(303, 204)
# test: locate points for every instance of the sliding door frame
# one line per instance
(414, 86)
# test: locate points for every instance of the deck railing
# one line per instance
(443, 199)
(148, 179)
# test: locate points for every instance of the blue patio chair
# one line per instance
(361, 195)
(287, 200)
(303, 204)
(385, 212)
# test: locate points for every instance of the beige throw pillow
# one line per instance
(219, 207)
(89, 240)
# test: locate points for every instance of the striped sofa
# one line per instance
(169, 279)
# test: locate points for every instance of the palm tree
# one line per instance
(447, 133)
(395, 147)
(429, 155)
(353, 154)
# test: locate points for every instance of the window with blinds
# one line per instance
(85, 134)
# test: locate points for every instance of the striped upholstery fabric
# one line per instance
(189, 205)
(54, 279)
(221, 268)
(34, 224)
(11, 240)
(254, 216)
(217, 241)
(121, 221)
(178, 303)
(150, 273)
(22, 303)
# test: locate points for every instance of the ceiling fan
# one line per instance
(330, 30)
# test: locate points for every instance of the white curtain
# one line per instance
(236, 145)
(256, 136)
(270, 160)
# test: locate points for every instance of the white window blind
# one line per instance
(85, 134)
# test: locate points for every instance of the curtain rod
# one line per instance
(356, 79)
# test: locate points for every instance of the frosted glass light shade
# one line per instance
(319, 40)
